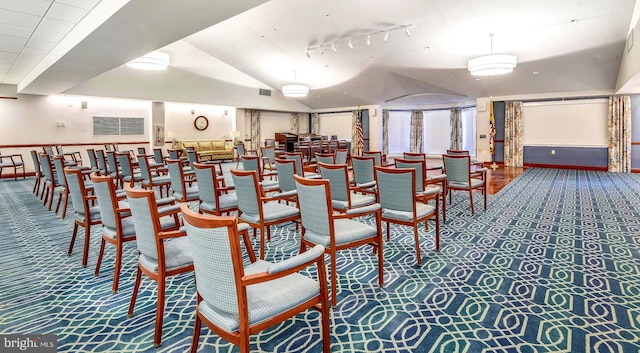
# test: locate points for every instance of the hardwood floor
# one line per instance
(500, 177)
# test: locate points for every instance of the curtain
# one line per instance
(295, 123)
(492, 131)
(416, 134)
(513, 134)
(619, 123)
(315, 123)
(385, 132)
(357, 136)
(455, 121)
(255, 129)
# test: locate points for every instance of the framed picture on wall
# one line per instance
(158, 136)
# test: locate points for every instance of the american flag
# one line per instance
(360, 140)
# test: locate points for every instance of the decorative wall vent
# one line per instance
(265, 92)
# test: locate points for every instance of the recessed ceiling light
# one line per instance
(346, 93)
(574, 20)
(326, 66)
(371, 58)
(426, 47)
(318, 96)
(536, 72)
(327, 16)
(477, 78)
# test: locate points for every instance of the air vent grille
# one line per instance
(265, 92)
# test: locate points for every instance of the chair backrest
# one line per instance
(414, 155)
(297, 157)
(457, 167)
(176, 175)
(269, 152)
(143, 165)
(93, 160)
(314, 201)
(341, 156)
(286, 170)
(102, 161)
(269, 142)
(240, 149)
(396, 188)
(58, 163)
(141, 150)
(146, 221)
(124, 160)
(59, 149)
(112, 162)
(420, 167)
(77, 190)
(48, 150)
(458, 152)
(363, 169)
(326, 158)
(192, 156)
(105, 190)
(217, 258)
(247, 191)
(377, 155)
(157, 155)
(251, 162)
(338, 177)
(207, 182)
(36, 163)
(47, 168)
(174, 154)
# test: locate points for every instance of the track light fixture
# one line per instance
(364, 37)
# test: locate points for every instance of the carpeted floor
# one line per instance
(551, 266)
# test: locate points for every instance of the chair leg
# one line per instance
(471, 200)
(116, 269)
(73, 238)
(64, 206)
(134, 294)
(261, 242)
(157, 337)
(196, 333)
(415, 236)
(87, 239)
(334, 300)
(484, 193)
(388, 233)
(100, 254)
(380, 251)
(60, 195)
(51, 199)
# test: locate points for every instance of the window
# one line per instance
(437, 131)
(469, 130)
(105, 125)
(399, 127)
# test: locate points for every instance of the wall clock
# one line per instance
(201, 123)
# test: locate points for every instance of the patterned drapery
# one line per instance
(255, 129)
(455, 121)
(385, 132)
(513, 134)
(416, 134)
(295, 123)
(315, 123)
(619, 123)
(357, 136)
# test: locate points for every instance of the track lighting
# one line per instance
(350, 44)
(386, 36)
(407, 32)
(333, 47)
(366, 38)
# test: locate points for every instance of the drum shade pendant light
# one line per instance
(295, 90)
(155, 60)
(493, 64)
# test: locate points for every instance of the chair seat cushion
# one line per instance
(177, 254)
(158, 180)
(268, 185)
(226, 201)
(272, 211)
(94, 214)
(422, 210)
(192, 193)
(346, 230)
(265, 300)
(464, 185)
(357, 200)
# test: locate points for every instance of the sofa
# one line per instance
(208, 149)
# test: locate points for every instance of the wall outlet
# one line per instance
(553, 151)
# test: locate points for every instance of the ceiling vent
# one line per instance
(265, 92)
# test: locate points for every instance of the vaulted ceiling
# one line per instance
(223, 51)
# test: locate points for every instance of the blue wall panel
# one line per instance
(635, 131)
(498, 115)
(566, 156)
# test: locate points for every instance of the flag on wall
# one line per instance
(492, 128)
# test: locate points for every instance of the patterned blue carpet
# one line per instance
(551, 266)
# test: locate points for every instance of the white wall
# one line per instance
(179, 118)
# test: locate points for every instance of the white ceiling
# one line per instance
(223, 50)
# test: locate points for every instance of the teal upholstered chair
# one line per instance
(161, 253)
(401, 205)
(377, 156)
(13, 161)
(437, 183)
(237, 300)
(465, 153)
(344, 196)
(129, 175)
(256, 209)
(151, 179)
(286, 170)
(342, 156)
(158, 158)
(268, 154)
(86, 215)
(301, 169)
(39, 175)
(113, 169)
(241, 151)
(214, 198)
(179, 181)
(93, 161)
(335, 231)
(252, 162)
(363, 172)
(102, 162)
(50, 179)
(326, 158)
(58, 164)
(461, 178)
